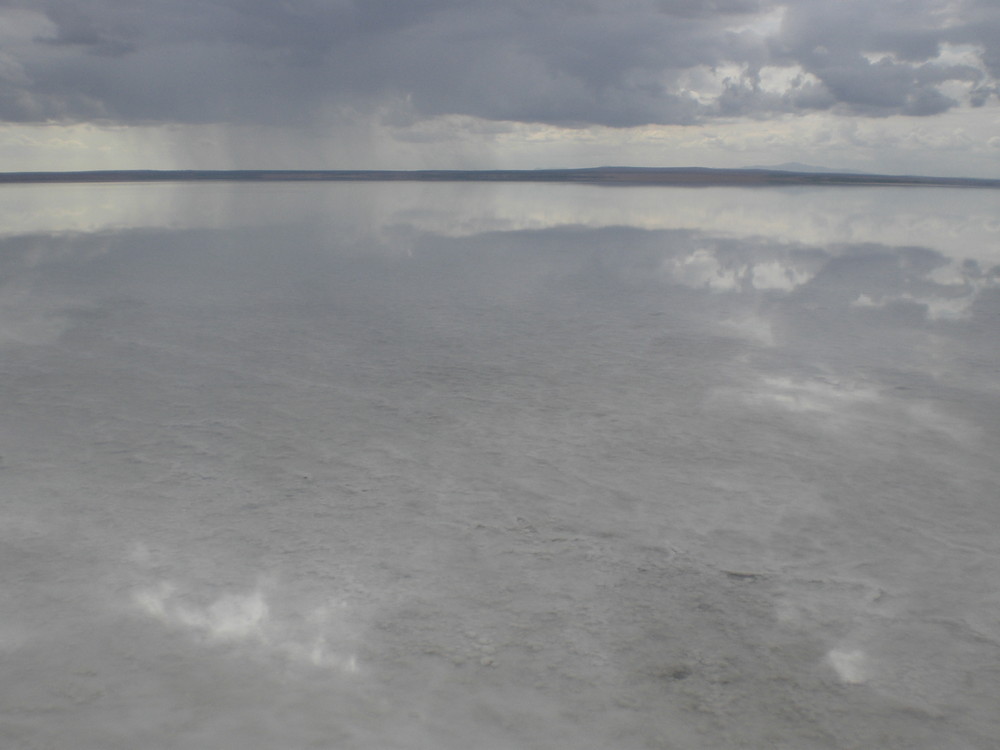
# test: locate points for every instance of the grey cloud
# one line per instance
(610, 62)
(835, 42)
(885, 87)
(74, 27)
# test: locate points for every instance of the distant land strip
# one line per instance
(677, 176)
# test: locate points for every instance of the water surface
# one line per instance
(499, 466)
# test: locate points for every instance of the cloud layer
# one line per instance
(606, 62)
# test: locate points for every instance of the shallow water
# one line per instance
(499, 466)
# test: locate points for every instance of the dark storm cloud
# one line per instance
(611, 62)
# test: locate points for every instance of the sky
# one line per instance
(893, 86)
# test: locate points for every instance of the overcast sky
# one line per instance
(881, 85)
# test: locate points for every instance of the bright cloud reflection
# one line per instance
(703, 269)
(956, 287)
(829, 404)
(775, 275)
(840, 404)
(232, 617)
(25, 320)
(849, 665)
(248, 619)
(946, 221)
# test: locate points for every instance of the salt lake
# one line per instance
(483, 466)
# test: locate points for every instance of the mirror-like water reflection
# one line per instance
(374, 466)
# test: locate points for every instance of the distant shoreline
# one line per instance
(624, 176)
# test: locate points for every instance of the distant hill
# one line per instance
(797, 166)
(666, 176)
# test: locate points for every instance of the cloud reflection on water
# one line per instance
(553, 445)
(248, 619)
(946, 220)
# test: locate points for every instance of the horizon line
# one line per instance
(605, 175)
